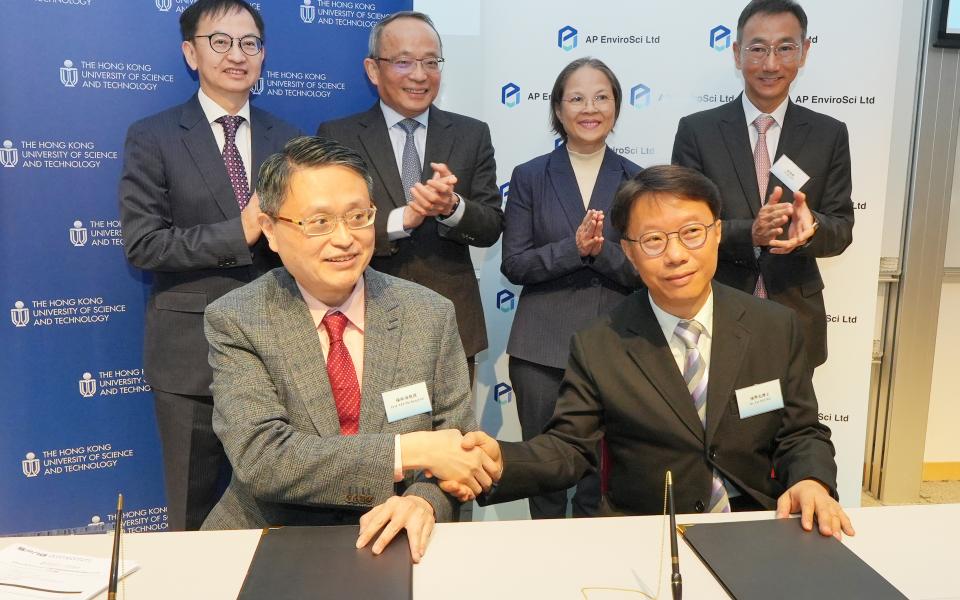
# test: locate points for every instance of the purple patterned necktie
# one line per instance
(233, 160)
(695, 374)
(761, 161)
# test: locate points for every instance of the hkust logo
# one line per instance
(30, 465)
(88, 386)
(720, 38)
(640, 96)
(78, 234)
(502, 393)
(567, 38)
(20, 314)
(69, 76)
(9, 155)
(506, 301)
(308, 12)
(257, 87)
(164, 5)
(510, 95)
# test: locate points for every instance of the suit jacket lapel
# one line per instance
(300, 344)
(565, 186)
(729, 344)
(793, 136)
(608, 180)
(381, 350)
(202, 147)
(260, 127)
(648, 348)
(376, 142)
(733, 132)
(439, 141)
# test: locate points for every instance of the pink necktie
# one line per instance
(342, 374)
(232, 159)
(761, 161)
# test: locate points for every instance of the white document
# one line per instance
(789, 173)
(28, 573)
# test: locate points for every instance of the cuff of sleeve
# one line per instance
(395, 230)
(397, 460)
(456, 215)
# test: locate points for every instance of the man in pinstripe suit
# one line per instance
(323, 421)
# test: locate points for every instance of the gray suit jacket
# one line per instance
(716, 143)
(181, 221)
(435, 255)
(275, 414)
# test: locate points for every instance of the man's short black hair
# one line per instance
(662, 181)
(201, 8)
(772, 7)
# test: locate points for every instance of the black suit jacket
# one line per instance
(181, 221)
(716, 143)
(622, 384)
(435, 256)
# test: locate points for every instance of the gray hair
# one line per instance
(373, 44)
(303, 152)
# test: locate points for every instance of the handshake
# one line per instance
(465, 465)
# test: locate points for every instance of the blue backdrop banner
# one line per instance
(77, 421)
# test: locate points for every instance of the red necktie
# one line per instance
(343, 375)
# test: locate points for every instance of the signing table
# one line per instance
(913, 547)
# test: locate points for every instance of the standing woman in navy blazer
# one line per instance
(558, 244)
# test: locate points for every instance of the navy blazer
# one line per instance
(562, 291)
(181, 221)
(716, 143)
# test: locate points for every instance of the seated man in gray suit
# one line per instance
(688, 375)
(337, 389)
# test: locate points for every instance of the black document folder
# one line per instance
(302, 563)
(775, 558)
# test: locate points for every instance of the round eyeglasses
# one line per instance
(322, 224)
(654, 243)
(221, 43)
(578, 102)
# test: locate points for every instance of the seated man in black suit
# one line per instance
(688, 375)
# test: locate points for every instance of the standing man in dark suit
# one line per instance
(188, 218)
(687, 375)
(770, 245)
(434, 175)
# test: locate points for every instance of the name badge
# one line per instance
(759, 399)
(406, 401)
(789, 173)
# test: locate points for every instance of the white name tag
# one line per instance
(789, 173)
(760, 398)
(406, 401)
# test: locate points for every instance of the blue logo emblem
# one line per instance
(510, 95)
(567, 38)
(502, 393)
(720, 38)
(558, 142)
(640, 96)
(505, 191)
(506, 300)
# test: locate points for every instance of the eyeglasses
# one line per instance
(787, 52)
(221, 43)
(405, 66)
(692, 236)
(579, 102)
(322, 224)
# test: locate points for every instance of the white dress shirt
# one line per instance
(214, 111)
(398, 139)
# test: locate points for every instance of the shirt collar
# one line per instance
(752, 112)
(214, 111)
(352, 307)
(392, 117)
(668, 322)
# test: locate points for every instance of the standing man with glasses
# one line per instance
(773, 237)
(688, 375)
(434, 174)
(189, 218)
